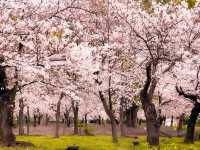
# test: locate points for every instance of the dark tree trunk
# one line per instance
(153, 126)
(85, 119)
(39, 118)
(152, 121)
(140, 122)
(1, 130)
(108, 107)
(129, 117)
(7, 99)
(8, 137)
(99, 120)
(21, 117)
(172, 121)
(28, 121)
(189, 138)
(122, 122)
(135, 110)
(164, 121)
(76, 122)
(34, 120)
(58, 116)
(67, 118)
(180, 124)
(111, 116)
(69, 121)
(75, 111)
(122, 117)
(46, 119)
(114, 129)
(57, 120)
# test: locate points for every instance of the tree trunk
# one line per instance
(110, 113)
(28, 121)
(132, 116)
(99, 120)
(189, 138)
(46, 120)
(122, 121)
(58, 117)
(21, 117)
(134, 113)
(180, 124)
(121, 117)
(67, 118)
(85, 119)
(129, 117)
(75, 122)
(68, 121)
(57, 123)
(1, 130)
(39, 118)
(114, 129)
(7, 103)
(75, 111)
(164, 121)
(172, 121)
(34, 120)
(108, 107)
(153, 127)
(146, 95)
(8, 137)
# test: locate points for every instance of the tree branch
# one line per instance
(198, 70)
(105, 105)
(24, 85)
(192, 97)
(148, 80)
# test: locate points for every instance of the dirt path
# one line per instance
(96, 129)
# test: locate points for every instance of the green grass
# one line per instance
(100, 143)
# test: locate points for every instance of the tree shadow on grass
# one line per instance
(24, 144)
(19, 144)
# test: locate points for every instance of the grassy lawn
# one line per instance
(99, 143)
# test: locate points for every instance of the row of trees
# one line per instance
(96, 53)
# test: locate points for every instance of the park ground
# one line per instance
(99, 143)
(42, 139)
